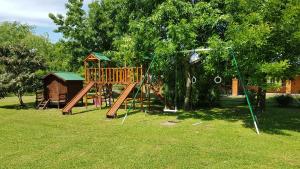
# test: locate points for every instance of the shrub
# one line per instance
(284, 100)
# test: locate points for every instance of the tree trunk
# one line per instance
(261, 100)
(20, 94)
(187, 98)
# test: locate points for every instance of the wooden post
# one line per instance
(99, 71)
(149, 97)
(113, 76)
(95, 75)
(85, 71)
(106, 74)
(58, 95)
(100, 96)
(235, 87)
(102, 75)
(142, 99)
(132, 74)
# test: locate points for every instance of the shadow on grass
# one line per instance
(85, 111)
(132, 112)
(28, 105)
(275, 120)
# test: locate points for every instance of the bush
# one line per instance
(284, 100)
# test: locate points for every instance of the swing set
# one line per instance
(195, 59)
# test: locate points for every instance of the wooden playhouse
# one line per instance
(58, 89)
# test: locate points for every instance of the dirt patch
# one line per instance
(169, 123)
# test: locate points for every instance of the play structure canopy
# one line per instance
(97, 56)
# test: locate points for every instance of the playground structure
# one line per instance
(100, 79)
(195, 59)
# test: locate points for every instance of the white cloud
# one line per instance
(34, 12)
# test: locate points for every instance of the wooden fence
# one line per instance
(114, 75)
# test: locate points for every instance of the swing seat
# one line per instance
(170, 110)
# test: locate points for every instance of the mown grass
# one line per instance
(223, 138)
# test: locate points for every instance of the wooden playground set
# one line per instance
(99, 80)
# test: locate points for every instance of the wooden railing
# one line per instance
(115, 75)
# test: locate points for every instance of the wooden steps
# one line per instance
(75, 100)
(43, 104)
(112, 112)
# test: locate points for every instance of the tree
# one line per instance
(20, 65)
(57, 56)
(134, 31)
(264, 34)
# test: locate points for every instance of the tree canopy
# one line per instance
(265, 36)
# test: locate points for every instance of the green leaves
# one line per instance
(20, 65)
(264, 34)
(275, 69)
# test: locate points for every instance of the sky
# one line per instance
(35, 12)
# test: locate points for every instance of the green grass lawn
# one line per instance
(223, 138)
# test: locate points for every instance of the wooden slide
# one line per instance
(112, 112)
(75, 100)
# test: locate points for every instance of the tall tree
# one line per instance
(264, 35)
(19, 72)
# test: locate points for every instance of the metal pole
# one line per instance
(245, 91)
(137, 92)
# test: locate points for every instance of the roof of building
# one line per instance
(100, 56)
(67, 76)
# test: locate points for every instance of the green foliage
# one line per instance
(14, 33)
(57, 56)
(265, 35)
(20, 65)
(275, 69)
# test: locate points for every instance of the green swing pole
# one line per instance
(139, 89)
(244, 88)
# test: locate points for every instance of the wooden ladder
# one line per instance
(43, 104)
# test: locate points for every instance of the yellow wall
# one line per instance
(291, 87)
(235, 87)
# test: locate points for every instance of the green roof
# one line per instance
(100, 56)
(67, 76)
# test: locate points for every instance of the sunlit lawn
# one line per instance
(214, 138)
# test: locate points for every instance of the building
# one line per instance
(287, 86)
(59, 88)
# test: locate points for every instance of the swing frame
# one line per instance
(235, 64)
(234, 61)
